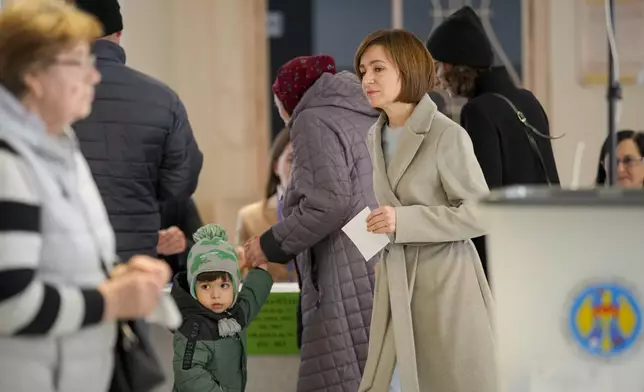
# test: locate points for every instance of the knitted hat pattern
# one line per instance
(212, 253)
(296, 76)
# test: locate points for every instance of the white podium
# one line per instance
(567, 273)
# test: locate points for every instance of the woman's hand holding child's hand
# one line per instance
(241, 257)
(254, 253)
(243, 262)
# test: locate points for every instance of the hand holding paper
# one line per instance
(382, 220)
(367, 243)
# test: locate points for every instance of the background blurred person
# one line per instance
(630, 168)
(57, 310)
(502, 143)
(254, 219)
(137, 140)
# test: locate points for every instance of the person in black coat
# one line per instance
(179, 220)
(502, 144)
(137, 141)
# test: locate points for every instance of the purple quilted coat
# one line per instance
(331, 182)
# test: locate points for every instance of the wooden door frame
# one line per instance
(536, 49)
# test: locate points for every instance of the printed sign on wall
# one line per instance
(274, 331)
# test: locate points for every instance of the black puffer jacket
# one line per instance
(140, 148)
(184, 215)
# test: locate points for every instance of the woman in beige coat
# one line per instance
(432, 309)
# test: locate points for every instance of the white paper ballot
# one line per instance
(166, 313)
(367, 243)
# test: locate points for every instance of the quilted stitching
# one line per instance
(331, 182)
(140, 149)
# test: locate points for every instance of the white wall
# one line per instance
(147, 37)
(213, 53)
(580, 112)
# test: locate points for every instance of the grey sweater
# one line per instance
(54, 232)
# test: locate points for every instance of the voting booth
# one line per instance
(567, 272)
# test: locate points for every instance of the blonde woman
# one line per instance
(57, 310)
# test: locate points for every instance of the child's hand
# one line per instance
(241, 257)
(243, 262)
(254, 252)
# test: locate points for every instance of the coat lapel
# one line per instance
(382, 186)
(410, 140)
(408, 144)
(387, 177)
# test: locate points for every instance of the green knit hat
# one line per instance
(211, 253)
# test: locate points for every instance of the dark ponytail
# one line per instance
(279, 145)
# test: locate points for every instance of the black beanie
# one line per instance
(108, 12)
(461, 40)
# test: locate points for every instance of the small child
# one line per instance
(209, 347)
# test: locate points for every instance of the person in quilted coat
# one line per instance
(330, 183)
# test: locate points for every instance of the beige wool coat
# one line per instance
(432, 305)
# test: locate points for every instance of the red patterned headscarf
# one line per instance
(296, 76)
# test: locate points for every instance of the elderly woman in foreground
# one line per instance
(57, 309)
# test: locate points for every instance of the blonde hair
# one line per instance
(34, 32)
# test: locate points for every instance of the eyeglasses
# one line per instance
(84, 63)
(629, 161)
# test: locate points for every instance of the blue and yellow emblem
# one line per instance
(605, 319)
